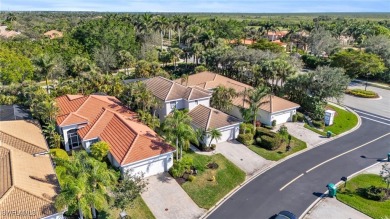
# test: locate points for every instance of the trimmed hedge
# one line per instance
(247, 128)
(362, 93)
(318, 124)
(59, 153)
(246, 139)
(264, 131)
(271, 143)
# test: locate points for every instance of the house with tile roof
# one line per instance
(84, 120)
(28, 183)
(173, 95)
(274, 107)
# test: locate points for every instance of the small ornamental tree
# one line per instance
(99, 150)
(385, 174)
(128, 189)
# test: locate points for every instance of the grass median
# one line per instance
(352, 196)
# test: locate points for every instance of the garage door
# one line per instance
(150, 168)
(282, 118)
(226, 135)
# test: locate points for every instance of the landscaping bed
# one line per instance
(343, 121)
(355, 195)
(362, 93)
(138, 210)
(216, 177)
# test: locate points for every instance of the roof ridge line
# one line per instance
(98, 117)
(5, 133)
(123, 120)
(131, 147)
(43, 199)
(73, 113)
(209, 119)
(170, 89)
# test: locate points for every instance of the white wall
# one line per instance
(262, 116)
(55, 216)
(192, 103)
(64, 133)
(150, 166)
(283, 116)
(228, 133)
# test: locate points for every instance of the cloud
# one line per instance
(249, 6)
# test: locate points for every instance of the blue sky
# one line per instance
(249, 6)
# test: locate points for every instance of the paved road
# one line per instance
(276, 190)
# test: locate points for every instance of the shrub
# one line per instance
(318, 124)
(191, 178)
(59, 153)
(273, 123)
(271, 143)
(300, 117)
(180, 167)
(362, 93)
(200, 68)
(283, 130)
(264, 131)
(99, 150)
(213, 146)
(246, 128)
(246, 139)
(258, 141)
(295, 118)
(372, 193)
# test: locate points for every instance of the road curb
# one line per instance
(251, 178)
(337, 184)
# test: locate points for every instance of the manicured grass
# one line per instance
(349, 196)
(343, 121)
(206, 193)
(296, 145)
(314, 130)
(138, 210)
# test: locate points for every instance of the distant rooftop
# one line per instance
(14, 112)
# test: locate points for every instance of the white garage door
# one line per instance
(226, 135)
(152, 167)
(282, 118)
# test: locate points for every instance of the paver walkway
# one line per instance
(166, 199)
(242, 157)
(297, 130)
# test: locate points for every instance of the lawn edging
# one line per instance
(337, 185)
(251, 178)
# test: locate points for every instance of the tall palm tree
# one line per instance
(222, 98)
(160, 24)
(46, 66)
(175, 52)
(197, 49)
(255, 99)
(177, 127)
(214, 134)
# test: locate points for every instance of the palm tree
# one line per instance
(214, 134)
(197, 49)
(47, 67)
(177, 127)
(175, 53)
(179, 23)
(160, 24)
(222, 98)
(255, 100)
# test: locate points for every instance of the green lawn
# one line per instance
(349, 196)
(206, 193)
(343, 121)
(296, 145)
(139, 210)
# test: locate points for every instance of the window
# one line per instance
(196, 102)
(73, 139)
(173, 104)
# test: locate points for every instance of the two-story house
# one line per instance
(173, 95)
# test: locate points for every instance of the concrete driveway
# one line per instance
(242, 156)
(297, 130)
(166, 199)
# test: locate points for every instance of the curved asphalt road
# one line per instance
(263, 197)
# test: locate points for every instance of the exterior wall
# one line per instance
(264, 117)
(284, 116)
(87, 144)
(151, 166)
(228, 133)
(235, 111)
(112, 160)
(64, 133)
(55, 216)
(192, 104)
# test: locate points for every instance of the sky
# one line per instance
(238, 6)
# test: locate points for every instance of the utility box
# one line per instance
(332, 190)
(329, 116)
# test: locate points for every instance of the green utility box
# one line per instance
(332, 189)
(328, 134)
(388, 157)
